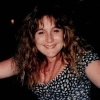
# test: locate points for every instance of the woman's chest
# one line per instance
(63, 86)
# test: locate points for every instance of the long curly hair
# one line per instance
(28, 59)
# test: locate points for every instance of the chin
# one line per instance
(51, 55)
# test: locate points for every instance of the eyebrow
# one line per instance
(40, 29)
(43, 29)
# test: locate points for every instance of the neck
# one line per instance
(53, 68)
(52, 62)
(49, 66)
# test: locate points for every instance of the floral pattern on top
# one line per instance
(68, 85)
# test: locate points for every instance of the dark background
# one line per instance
(86, 16)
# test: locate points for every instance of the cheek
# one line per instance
(38, 39)
(60, 37)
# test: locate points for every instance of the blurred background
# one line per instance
(86, 17)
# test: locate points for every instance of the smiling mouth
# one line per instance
(49, 46)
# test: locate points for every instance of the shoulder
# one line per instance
(87, 58)
(93, 72)
(7, 68)
(6, 62)
(89, 62)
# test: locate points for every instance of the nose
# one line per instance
(50, 37)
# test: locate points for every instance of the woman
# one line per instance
(51, 59)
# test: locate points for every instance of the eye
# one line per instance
(40, 32)
(56, 30)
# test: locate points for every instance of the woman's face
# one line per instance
(48, 38)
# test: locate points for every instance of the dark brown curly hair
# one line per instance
(28, 58)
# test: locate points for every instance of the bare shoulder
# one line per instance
(6, 61)
(94, 65)
(93, 72)
(7, 68)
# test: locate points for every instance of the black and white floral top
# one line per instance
(67, 85)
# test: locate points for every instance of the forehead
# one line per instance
(46, 20)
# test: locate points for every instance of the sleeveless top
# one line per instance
(68, 85)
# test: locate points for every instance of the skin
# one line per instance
(7, 68)
(93, 72)
(49, 41)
